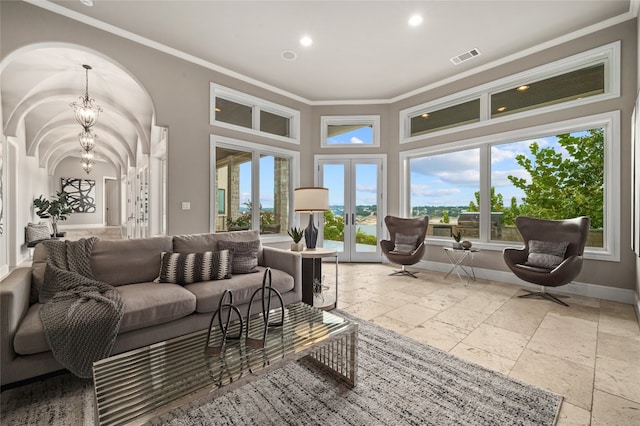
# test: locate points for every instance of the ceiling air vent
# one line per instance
(465, 56)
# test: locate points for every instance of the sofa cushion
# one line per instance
(209, 293)
(245, 255)
(209, 242)
(146, 304)
(187, 268)
(38, 266)
(119, 262)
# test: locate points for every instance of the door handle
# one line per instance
(346, 219)
(353, 220)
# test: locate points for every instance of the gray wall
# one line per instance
(180, 91)
(70, 168)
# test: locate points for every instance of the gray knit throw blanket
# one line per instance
(81, 316)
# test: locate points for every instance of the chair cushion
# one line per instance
(546, 254)
(405, 244)
(245, 255)
(186, 268)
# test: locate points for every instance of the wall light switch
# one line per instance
(186, 205)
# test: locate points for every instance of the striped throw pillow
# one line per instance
(187, 268)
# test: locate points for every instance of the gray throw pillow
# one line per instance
(245, 255)
(405, 243)
(187, 268)
(37, 232)
(546, 254)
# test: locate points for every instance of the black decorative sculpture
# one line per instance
(265, 291)
(224, 328)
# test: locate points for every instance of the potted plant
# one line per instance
(56, 209)
(296, 234)
(457, 237)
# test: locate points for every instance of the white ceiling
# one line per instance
(363, 51)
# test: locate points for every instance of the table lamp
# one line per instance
(311, 200)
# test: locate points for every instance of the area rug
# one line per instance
(400, 381)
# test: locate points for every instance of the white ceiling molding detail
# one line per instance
(40, 81)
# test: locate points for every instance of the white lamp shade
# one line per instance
(311, 199)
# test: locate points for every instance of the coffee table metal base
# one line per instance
(137, 386)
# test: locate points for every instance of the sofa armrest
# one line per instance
(14, 303)
(287, 261)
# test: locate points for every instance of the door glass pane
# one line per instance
(233, 193)
(233, 113)
(334, 179)
(446, 187)
(274, 194)
(366, 207)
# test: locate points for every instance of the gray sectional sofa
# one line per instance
(153, 311)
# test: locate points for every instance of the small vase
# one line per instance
(466, 244)
(457, 245)
(299, 246)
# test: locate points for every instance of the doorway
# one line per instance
(111, 202)
(353, 226)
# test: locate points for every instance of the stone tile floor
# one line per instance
(588, 352)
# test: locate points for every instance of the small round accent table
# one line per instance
(456, 258)
(313, 287)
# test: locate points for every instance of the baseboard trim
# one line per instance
(613, 294)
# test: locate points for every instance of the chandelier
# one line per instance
(86, 115)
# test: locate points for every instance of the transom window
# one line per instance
(556, 171)
(352, 131)
(239, 111)
(588, 77)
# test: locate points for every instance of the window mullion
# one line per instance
(485, 193)
(255, 190)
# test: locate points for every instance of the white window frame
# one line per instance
(256, 151)
(257, 105)
(346, 120)
(608, 54)
(610, 121)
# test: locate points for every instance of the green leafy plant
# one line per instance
(296, 234)
(56, 209)
(457, 236)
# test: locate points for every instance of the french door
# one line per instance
(353, 226)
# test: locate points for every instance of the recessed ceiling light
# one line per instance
(523, 88)
(306, 41)
(425, 115)
(87, 2)
(288, 55)
(415, 20)
(502, 109)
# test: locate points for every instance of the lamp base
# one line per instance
(311, 233)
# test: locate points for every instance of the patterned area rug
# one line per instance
(400, 381)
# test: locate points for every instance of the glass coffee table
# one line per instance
(136, 386)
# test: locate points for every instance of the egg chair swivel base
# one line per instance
(543, 294)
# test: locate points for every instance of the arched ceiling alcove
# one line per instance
(38, 84)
